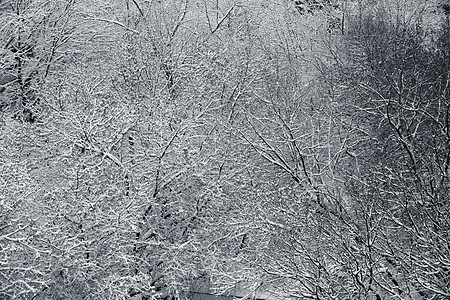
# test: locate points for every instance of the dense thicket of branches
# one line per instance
(153, 148)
